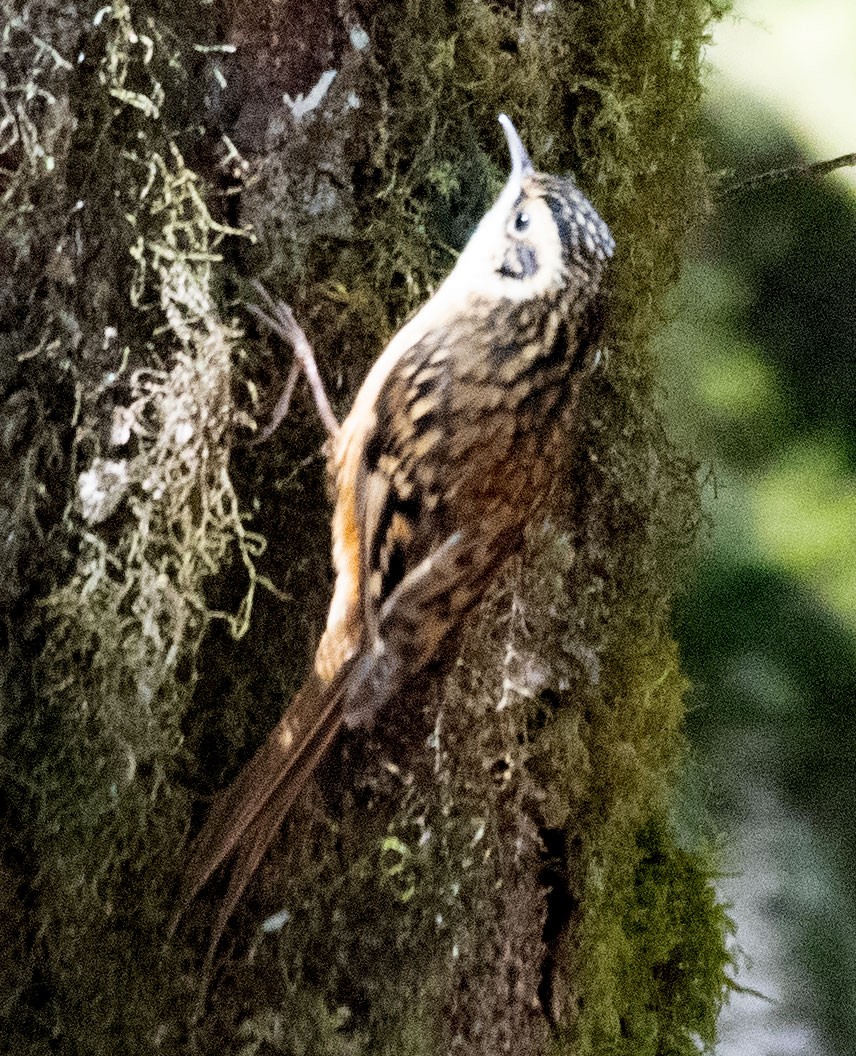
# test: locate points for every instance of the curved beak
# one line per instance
(521, 164)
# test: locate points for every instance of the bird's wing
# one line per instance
(399, 503)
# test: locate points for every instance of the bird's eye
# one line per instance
(521, 221)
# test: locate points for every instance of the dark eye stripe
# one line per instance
(563, 222)
(525, 265)
(528, 260)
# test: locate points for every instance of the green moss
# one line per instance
(152, 509)
(651, 960)
(411, 898)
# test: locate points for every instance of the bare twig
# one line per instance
(788, 172)
(280, 319)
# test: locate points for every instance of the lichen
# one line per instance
(494, 868)
(150, 352)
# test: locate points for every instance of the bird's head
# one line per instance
(541, 236)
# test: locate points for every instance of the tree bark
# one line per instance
(494, 868)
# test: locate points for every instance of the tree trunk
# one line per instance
(495, 867)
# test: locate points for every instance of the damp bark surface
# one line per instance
(495, 866)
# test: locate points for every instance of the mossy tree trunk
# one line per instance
(495, 868)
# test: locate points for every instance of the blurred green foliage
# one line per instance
(761, 366)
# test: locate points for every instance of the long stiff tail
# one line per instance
(246, 816)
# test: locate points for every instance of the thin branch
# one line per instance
(764, 179)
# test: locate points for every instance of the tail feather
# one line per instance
(245, 817)
(262, 830)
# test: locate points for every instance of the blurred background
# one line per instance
(760, 370)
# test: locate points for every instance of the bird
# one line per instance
(450, 448)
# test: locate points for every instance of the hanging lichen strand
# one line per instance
(123, 314)
(495, 869)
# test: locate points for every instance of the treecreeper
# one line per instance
(449, 450)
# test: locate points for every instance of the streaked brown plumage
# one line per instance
(451, 445)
